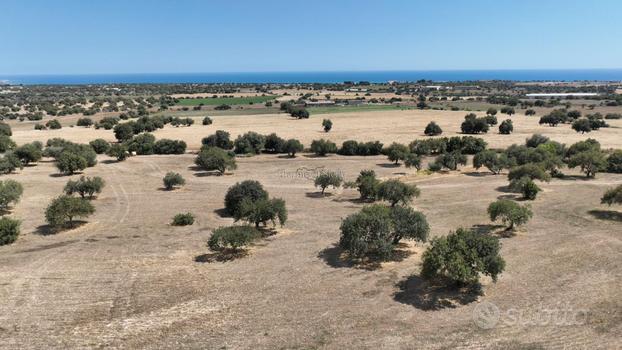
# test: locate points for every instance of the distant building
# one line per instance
(563, 94)
(356, 90)
(320, 103)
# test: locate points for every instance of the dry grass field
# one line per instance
(127, 279)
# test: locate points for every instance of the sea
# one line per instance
(524, 75)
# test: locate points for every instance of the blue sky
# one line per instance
(139, 36)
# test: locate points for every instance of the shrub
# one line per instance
(183, 219)
(9, 230)
(40, 127)
(214, 158)
(462, 256)
(118, 151)
(412, 160)
(322, 147)
(262, 211)
(299, 113)
(10, 193)
(100, 146)
(509, 212)
(474, 125)
(394, 191)
(526, 186)
(166, 146)
(491, 120)
(207, 121)
(6, 144)
(123, 132)
(491, 111)
(5, 129)
(292, 146)
(530, 112)
(86, 122)
(142, 144)
(535, 140)
(53, 124)
(219, 139)
(172, 179)
(376, 229)
(432, 129)
(232, 237)
(327, 124)
(251, 142)
(582, 125)
(614, 162)
(612, 196)
(9, 163)
(222, 107)
(85, 186)
(354, 148)
(506, 127)
(64, 209)
(328, 178)
(248, 189)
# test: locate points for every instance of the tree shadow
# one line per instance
(353, 200)
(388, 165)
(285, 156)
(606, 215)
(432, 295)
(222, 212)
(209, 173)
(479, 174)
(487, 229)
(318, 194)
(504, 189)
(337, 258)
(46, 230)
(515, 197)
(109, 161)
(65, 175)
(312, 155)
(221, 256)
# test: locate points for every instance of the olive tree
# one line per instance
(86, 187)
(395, 191)
(100, 146)
(118, 151)
(172, 179)
(292, 146)
(492, 160)
(509, 212)
(69, 163)
(612, 196)
(432, 129)
(367, 184)
(322, 147)
(215, 158)
(396, 152)
(10, 193)
(526, 186)
(327, 124)
(329, 178)
(462, 256)
(590, 162)
(9, 230)
(261, 211)
(232, 237)
(248, 189)
(64, 209)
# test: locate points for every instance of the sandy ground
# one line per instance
(387, 126)
(127, 279)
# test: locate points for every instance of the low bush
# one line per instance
(183, 219)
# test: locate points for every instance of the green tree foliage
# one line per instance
(432, 129)
(9, 163)
(462, 256)
(491, 111)
(166, 146)
(535, 140)
(261, 211)
(10, 193)
(207, 121)
(86, 122)
(412, 160)
(506, 127)
(582, 125)
(9, 230)
(53, 124)
(248, 189)
(86, 187)
(530, 170)
(29, 153)
(183, 219)
(5, 129)
(354, 148)
(172, 179)
(64, 209)
(614, 162)
(100, 146)
(232, 237)
(142, 144)
(274, 144)
(612, 196)
(327, 124)
(526, 186)
(328, 178)
(376, 229)
(214, 158)
(292, 146)
(509, 212)
(395, 191)
(323, 147)
(249, 143)
(118, 151)
(69, 163)
(367, 184)
(396, 152)
(492, 160)
(123, 132)
(6, 144)
(450, 160)
(590, 162)
(219, 139)
(474, 125)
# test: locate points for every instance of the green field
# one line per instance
(225, 100)
(364, 108)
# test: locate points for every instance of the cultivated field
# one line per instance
(127, 279)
